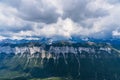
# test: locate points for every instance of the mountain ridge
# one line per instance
(59, 59)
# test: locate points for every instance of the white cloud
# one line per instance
(116, 33)
(48, 18)
(1, 37)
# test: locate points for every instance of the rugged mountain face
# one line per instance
(85, 61)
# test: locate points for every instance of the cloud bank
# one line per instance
(22, 19)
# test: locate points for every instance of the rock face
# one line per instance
(85, 61)
(54, 48)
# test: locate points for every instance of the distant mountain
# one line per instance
(112, 41)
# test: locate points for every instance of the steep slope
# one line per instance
(85, 61)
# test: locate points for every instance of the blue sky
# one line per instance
(31, 19)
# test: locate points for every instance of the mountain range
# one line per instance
(73, 59)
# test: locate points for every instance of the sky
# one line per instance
(32, 19)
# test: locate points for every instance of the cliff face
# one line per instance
(88, 61)
(55, 49)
